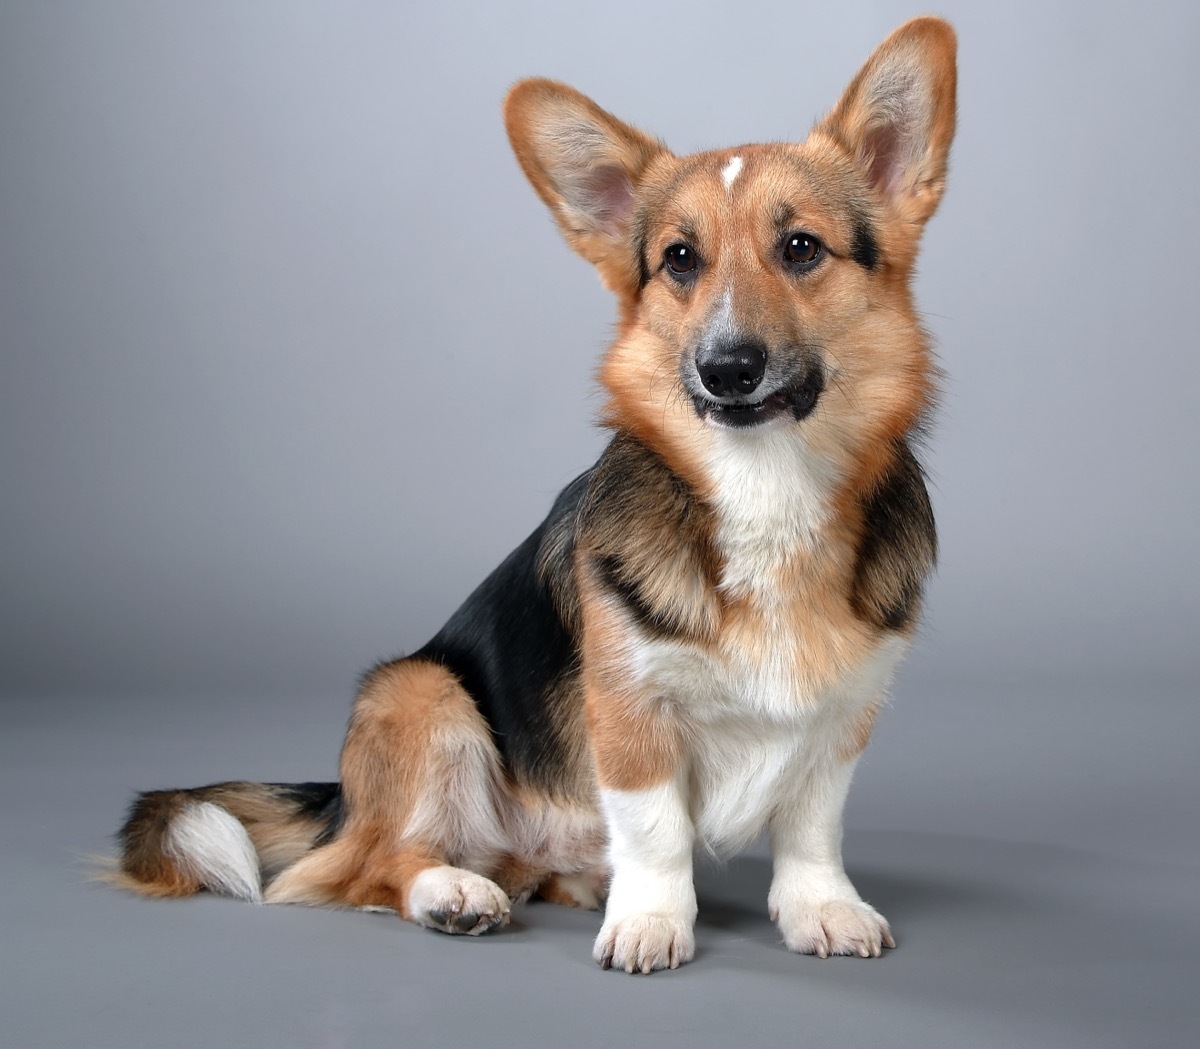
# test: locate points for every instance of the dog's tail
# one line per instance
(230, 838)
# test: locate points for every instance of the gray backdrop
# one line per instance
(291, 356)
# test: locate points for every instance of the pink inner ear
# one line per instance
(605, 195)
(886, 148)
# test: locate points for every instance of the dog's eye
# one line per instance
(801, 250)
(680, 259)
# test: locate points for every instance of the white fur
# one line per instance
(731, 171)
(455, 892)
(466, 812)
(755, 737)
(772, 495)
(651, 850)
(643, 942)
(214, 847)
(457, 808)
(816, 906)
(558, 837)
(651, 902)
(838, 925)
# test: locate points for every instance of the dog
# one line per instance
(693, 646)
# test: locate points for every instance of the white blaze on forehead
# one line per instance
(731, 171)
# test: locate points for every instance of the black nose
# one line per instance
(730, 370)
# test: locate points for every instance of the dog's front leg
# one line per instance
(812, 900)
(651, 906)
(641, 764)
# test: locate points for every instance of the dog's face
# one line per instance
(750, 266)
(764, 286)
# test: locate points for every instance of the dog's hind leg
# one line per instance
(423, 797)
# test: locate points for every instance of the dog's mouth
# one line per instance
(796, 402)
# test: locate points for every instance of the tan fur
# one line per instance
(585, 890)
(922, 49)
(636, 743)
(358, 870)
(532, 113)
(146, 865)
(411, 723)
(416, 743)
(404, 708)
(163, 880)
(518, 877)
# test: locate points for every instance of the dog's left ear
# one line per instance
(897, 117)
(585, 164)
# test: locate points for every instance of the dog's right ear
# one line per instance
(585, 164)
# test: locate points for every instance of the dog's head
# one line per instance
(764, 286)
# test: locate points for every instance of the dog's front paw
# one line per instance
(645, 942)
(846, 926)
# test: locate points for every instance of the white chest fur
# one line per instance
(752, 739)
(771, 498)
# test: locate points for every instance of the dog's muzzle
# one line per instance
(734, 397)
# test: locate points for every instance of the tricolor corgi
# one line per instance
(693, 646)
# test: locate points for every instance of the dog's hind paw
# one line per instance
(457, 901)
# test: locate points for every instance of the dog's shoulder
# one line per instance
(645, 536)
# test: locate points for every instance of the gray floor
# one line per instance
(1041, 879)
(231, 237)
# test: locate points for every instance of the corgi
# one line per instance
(691, 649)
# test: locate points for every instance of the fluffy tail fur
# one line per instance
(230, 838)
